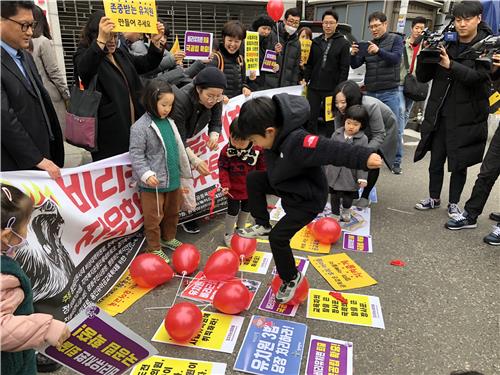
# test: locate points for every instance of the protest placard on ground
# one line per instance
(300, 262)
(357, 243)
(258, 263)
(137, 16)
(360, 221)
(197, 45)
(270, 304)
(305, 241)
(329, 356)
(157, 365)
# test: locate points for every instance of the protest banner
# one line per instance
(252, 53)
(341, 272)
(219, 332)
(270, 304)
(304, 240)
(136, 16)
(357, 243)
(258, 263)
(100, 344)
(301, 263)
(157, 365)
(269, 61)
(197, 45)
(123, 295)
(271, 346)
(329, 356)
(360, 309)
(305, 50)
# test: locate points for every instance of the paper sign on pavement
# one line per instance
(329, 356)
(360, 222)
(341, 272)
(157, 365)
(305, 241)
(300, 262)
(354, 242)
(258, 263)
(270, 304)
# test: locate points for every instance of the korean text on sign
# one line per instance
(132, 15)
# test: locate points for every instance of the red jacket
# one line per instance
(233, 170)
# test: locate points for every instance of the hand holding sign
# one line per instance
(106, 26)
(155, 38)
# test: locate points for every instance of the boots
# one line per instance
(229, 223)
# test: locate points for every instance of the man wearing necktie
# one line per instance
(31, 135)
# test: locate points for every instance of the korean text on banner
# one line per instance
(269, 61)
(252, 52)
(157, 365)
(197, 45)
(305, 49)
(100, 344)
(329, 356)
(132, 15)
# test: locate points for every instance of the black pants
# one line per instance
(436, 168)
(346, 196)
(371, 181)
(488, 174)
(295, 219)
(315, 98)
(233, 206)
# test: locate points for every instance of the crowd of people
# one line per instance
(152, 103)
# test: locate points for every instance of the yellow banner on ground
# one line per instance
(305, 241)
(258, 263)
(167, 365)
(123, 295)
(305, 50)
(342, 272)
(138, 16)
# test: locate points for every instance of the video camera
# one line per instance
(484, 49)
(431, 53)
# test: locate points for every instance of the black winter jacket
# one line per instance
(288, 59)
(461, 95)
(336, 68)
(266, 80)
(233, 67)
(294, 163)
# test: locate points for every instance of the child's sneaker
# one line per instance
(287, 289)
(453, 210)
(161, 254)
(227, 239)
(346, 215)
(255, 231)
(171, 245)
(494, 237)
(461, 221)
(428, 204)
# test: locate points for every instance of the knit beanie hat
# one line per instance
(263, 20)
(211, 77)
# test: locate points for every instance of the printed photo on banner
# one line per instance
(252, 53)
(219, 332)
(157, 365)
(132, 16)
(329, 356)
(270, 304)
(269, 61)
(360, 309)
(272, 346)
(341, 272)
(360, 222)
(304, 240)
(305, 50)
(197, 45)
(300, 262)
(82, 235)
(258, 263)
(357, 243)
(100, 344)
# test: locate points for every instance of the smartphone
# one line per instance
(363, 48)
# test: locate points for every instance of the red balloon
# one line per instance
(300, 293)
(149, 270)
(275, 9)
(244, 247)
(186, 258)
(183, 321)
(326, 230)
(222, 265)
(232, 298)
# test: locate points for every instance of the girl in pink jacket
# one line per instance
(21, 330)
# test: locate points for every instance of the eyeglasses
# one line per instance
(293, 22)
(25, 26)
(214, 99)
(375, 26)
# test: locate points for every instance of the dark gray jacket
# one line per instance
(288, 59)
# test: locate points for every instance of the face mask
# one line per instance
(12, 249)
(290, 29)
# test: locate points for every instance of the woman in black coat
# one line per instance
(117, 79)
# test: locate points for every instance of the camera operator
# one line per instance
(455, 125)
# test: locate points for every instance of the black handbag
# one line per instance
(81, 116)
(412, 88)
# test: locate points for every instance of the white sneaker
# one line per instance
(255, 231)
(287, 289)
(345, 215)
(453, 210)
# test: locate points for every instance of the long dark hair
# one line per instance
(91, 29)
(352, 93)
(42, 27)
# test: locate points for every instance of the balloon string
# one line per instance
(175, 298)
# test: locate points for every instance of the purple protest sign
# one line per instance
(357, 243)
(270, 304)
(197, 45)
(100, 344)
(269, 61)
(329, 356)
(301, 263)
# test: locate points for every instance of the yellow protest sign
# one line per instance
(123, 295)
(305, 49)
(176, 47)
(137, 16)
(342, 272)
(167, 365)
(304, 240)
(329, 108)
(252, 52)
(218, 332)
(258, 263)
(360, 309)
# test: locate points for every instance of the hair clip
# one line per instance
(6, 191)
(10, 223)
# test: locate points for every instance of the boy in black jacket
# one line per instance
(294, 160)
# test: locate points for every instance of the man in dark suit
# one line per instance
(31, 135)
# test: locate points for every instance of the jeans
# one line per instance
(391, 98)
(405, 106)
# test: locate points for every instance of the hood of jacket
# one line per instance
(294, 112)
